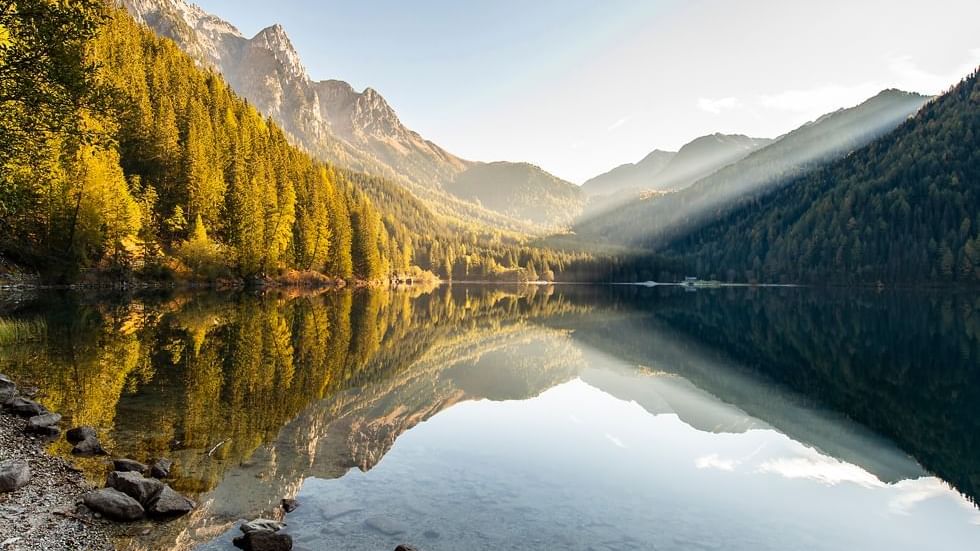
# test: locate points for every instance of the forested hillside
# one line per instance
(655, 219)
(123, 155)
(904, 209)
(520, 190)
(152, 157)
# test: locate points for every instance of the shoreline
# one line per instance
(41, 515)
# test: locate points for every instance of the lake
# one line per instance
(561, 417)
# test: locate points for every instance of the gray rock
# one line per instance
(168, 503)
(77, 434)
(264, 541)
(289, 505)
(24, 407)
(261, 525)
(7, 388)
(113, 504)
(14, 474)
(124, 465)
(135, 485)
(161, 468)
(89, 446)
(46, 423)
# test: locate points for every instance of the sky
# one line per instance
(579, 87)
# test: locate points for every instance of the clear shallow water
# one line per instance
(571, 417)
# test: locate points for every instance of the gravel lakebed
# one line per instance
(42, 514)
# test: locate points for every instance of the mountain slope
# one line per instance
(702, 157)
(651, 221)
(902, 209)
(522, 191)
(630, 175)
(357, 130)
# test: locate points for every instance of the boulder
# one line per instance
(89, 446)
(168, 503)
(24, 407)
(14, 474)
(264, 541)
(289, 505)
(124, 465)
(135, 485)
(113, 504)
(7, 388)
(46, 423)
(77, 434)
(161, 468)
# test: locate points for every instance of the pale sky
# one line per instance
(580, 86)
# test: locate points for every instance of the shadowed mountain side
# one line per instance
(653, 219)
(521, 191)
(629, 176)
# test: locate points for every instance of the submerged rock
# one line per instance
(113, 504)
(261, 525)
(24, 407)
(89, 446)
(124, 465)
(384, 526)
(135, 485)
(78, 434)
(289, 505)
(161, 468)
(169, 503)
(264, 541)
(46, 424)
(14, 474)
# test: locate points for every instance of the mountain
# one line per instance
(902, 209)
(703, 156)
(629, 176)
(663, 171)
(654, 219)
(520, 190)
(357, 130)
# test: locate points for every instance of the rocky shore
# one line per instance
(42, 513)
(46, 503)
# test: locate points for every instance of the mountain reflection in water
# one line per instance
(576, 417)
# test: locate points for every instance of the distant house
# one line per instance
(690, 280)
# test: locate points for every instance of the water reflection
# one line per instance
(574, 417)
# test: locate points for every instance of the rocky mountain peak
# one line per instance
(331, 119)
(276, 41)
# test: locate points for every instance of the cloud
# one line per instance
(912, 77)
(906, 75)
(712, 461)
(716, 106)
(616, 441)
(820, 99)
(823, 469)
(617, 124)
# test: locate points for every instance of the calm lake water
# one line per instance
(566, 417)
